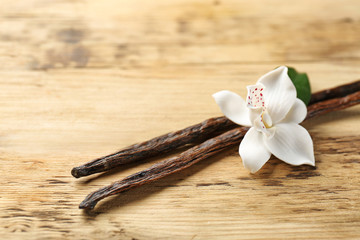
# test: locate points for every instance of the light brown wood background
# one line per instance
(81, 79)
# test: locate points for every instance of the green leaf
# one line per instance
(302, 85)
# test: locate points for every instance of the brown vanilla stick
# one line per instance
(333, 105)
(189, 135)
(335, 92)
(202, 151)
(169, 166)
(156, 146)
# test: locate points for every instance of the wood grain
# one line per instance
(82, 79)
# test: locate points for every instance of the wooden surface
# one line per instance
(81, 79)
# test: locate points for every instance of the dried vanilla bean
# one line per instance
(169, 166)
(156, 146)
(333, 105)
(335, 92)
(190, 135)
(200, 152)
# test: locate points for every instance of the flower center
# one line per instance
(260, 117)
(266, 119)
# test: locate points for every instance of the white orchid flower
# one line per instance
(274, 113)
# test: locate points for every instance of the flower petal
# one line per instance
(233, 107)
(279, 93)
(292, 144)
(297, 113)
(253, 151)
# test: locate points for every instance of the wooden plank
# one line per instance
(81, 79)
